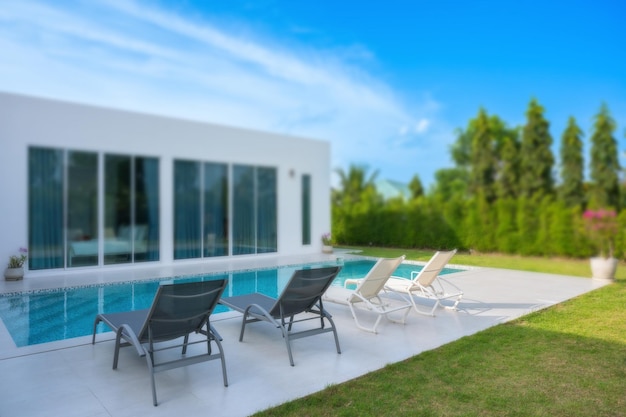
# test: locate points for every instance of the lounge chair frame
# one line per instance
(428, 283)
(366, 295)
(177, 311)
(302, 294)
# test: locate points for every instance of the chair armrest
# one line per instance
(352, 281)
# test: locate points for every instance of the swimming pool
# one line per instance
(49, 315)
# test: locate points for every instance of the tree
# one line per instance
(450, 182)
(461, 149)
(507, 180)
(482, 157)
(506, 228)
(353, 205)
(353, 184)
(479, 151)
(571, 190)
(417, 190)
(604, 162)
(536, 157)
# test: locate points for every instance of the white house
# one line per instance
(88, 187)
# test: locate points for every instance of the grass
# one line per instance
(568, 360)
(573, 267)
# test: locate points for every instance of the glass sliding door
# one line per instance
(146, 232)
(306, 209)
(187, 224)
(131, 209)
(82, 209)
(45, 208)
(266, 216)
(244, 239)
(215, 209)
(254, 210)
(117, 242)
(64, 209)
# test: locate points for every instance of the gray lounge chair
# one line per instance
(302, 294)
(177, 311)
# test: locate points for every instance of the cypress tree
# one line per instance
(507, 182)
(449, 183)
(416, 188)
(562, 230)
(604, 162)
(527, 224)
(544, 213)
(571, 191)
(461, 149)
(482, 157)
(506, 230)
(536, 156)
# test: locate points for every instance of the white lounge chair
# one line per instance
(428, 284)
(366, 295)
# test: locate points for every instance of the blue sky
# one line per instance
(387, 83)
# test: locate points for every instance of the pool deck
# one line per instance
(74, 378)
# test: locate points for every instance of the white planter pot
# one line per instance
(603, 268)
(327, 249)
(14, 274)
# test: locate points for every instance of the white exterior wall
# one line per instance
(27, 121)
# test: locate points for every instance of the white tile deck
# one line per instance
(74, 378)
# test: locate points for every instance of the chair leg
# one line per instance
(336, 338)
(380, 316)
(222, 358)
(359, 325)
(243, 327)
(332, 324)
(437, 304)
(95, 324)
(152, 382)
(456, 303)
(406, 313)
(417, 310)
(208, 345)
(116, 354)
(185, 341)
(287, 342)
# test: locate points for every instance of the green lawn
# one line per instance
(568, 360)
(574, 267)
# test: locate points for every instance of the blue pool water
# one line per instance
(50, 315)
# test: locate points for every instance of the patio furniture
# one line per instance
(428, 284)
(177, 311)
(301, 296)
(367, 294)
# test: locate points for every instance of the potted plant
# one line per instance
(15, 269)
(327, 243)
(602, 227)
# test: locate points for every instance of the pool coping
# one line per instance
(33, 285)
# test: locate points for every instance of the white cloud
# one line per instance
(422, 126)
(125, 54)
